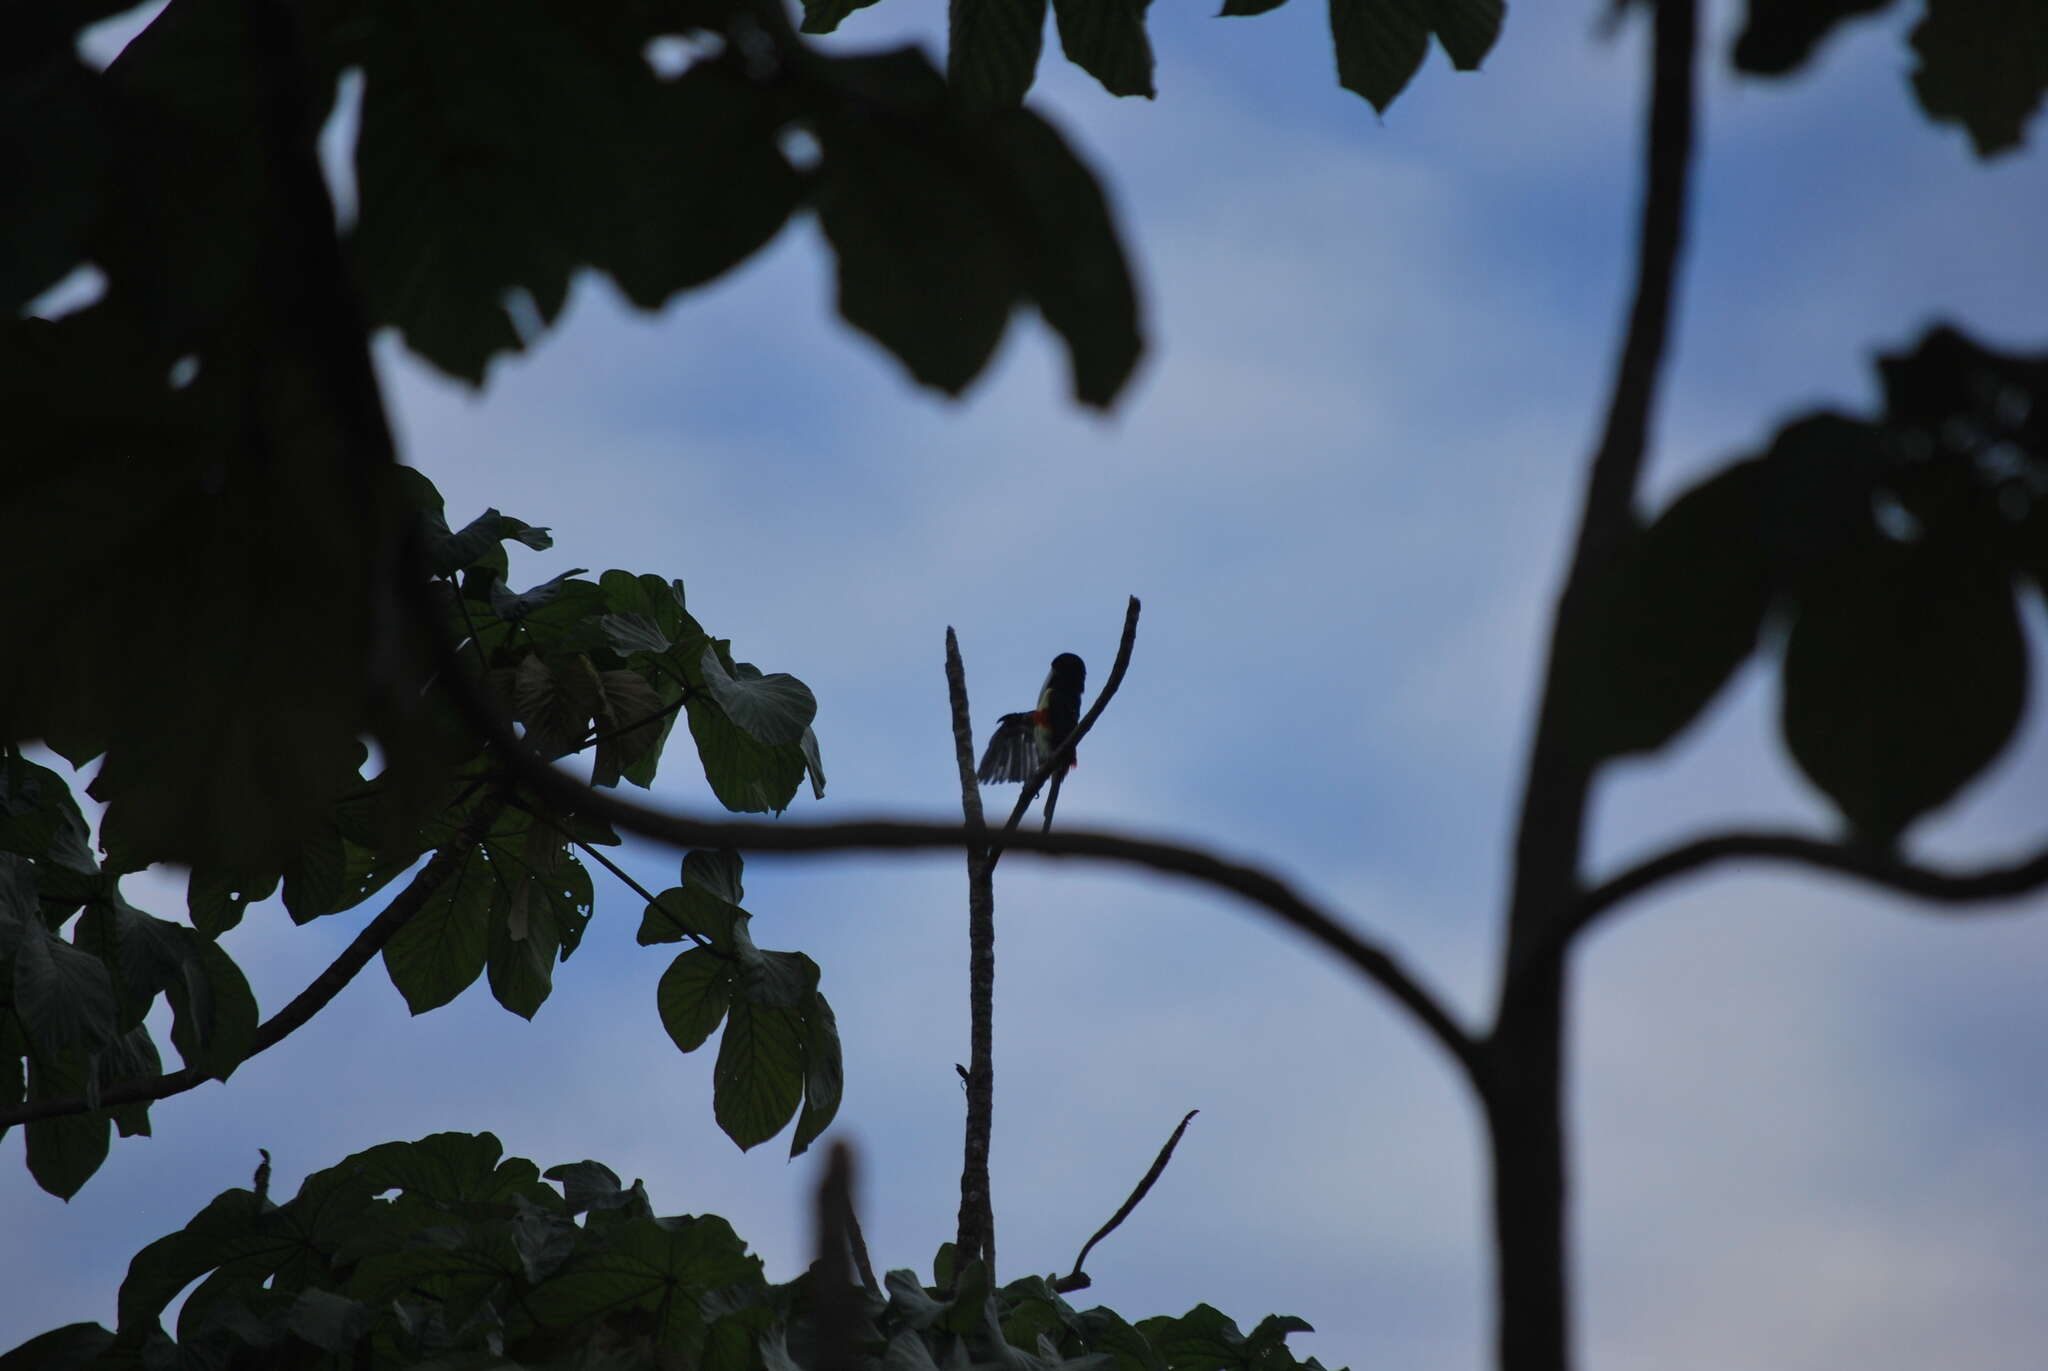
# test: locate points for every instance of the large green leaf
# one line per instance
(1381, 43)
(63, 994)
(40, 819)
(148, 955)
(773, 709)
(63, 1152)
(759, 1077)
(442, 949)
(746, 775)
(214, 1012)
(1905, 675)
(234, 1229)
(655, 1265)
(694, 994)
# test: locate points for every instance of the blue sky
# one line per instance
(1808, 1119)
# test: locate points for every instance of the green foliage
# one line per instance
(198, 457)
(603, 666)
(1981, 63)
(780, 1048)
(1891, 549)
(442, 1252)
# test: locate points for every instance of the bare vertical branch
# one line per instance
(832, 1287)
(976, 1231)
(1523, 1057)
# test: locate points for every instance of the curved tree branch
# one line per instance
(1877, 868)
(317, 995)
(1259, 887)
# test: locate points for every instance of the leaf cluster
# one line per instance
(780, 1048)
(209, 527)
(1887, 554)
(443, 1253)
(994, 45)
(603, 666)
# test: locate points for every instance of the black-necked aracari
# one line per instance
(1022, 742)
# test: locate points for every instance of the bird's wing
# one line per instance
(1012, 753)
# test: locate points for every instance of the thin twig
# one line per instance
(316, 996)
(977, 1225)
(1077, 1279)
(1062, 754)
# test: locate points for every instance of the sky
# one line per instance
(1806, 1118)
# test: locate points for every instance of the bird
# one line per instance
(1023, 741)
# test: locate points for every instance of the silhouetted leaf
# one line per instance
(64, 995)
(823, 16)
(992, 49)
(63, 1152)
(73, 1347)
(1106, 39)
(40, 819)
(216, 900)
(1983, 64)
(214, 1012)
(1381, 43)
(1780, 35)
(1905, 674)
(1073, 264)
(924, 267)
